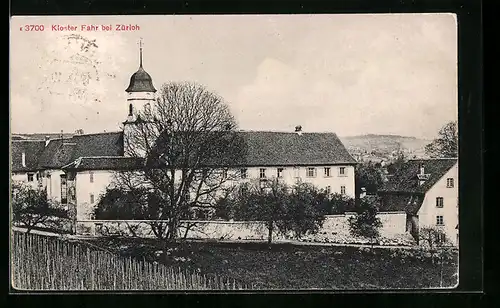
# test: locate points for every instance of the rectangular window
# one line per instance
(38, 176)
(450, 183)
(327, 172)
(439, 202)
(243, 173)
(311, 172)
(342, 190)
(328, 189)
(439, 220)
(262, 173)
(342, 171)
(279, 172)
(64, 192)
(91, 175)
(30, 177)
(296, 172)
(440, 238)
(92, 198)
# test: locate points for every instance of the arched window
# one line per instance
(130, 109)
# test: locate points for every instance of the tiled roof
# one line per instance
(403, 193)
(405, 179)
(32, 149)
(397, 202)
(278, 148)
(141, 81)
(260, 148)
(61, 152)
(105, 163)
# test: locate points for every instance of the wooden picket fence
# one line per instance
(44, 263)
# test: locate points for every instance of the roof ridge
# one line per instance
(100, 133)
(85, 157)
(285, 132)
(29, 140)
(437, 158)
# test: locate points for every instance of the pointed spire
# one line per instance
(140, 52)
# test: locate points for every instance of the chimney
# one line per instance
(23, 159)
(298, 130)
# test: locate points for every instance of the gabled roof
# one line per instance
(32, 149)
(261, 148)
(403, 193)
(105, 163)
(258, 148)
(283, 148)
(405, 179)
(61, 152)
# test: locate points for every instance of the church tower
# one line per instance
(140, 97)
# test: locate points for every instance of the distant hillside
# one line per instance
(39, 136)
(385, 144)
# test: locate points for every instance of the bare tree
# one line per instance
(189, 140)
(446, 145)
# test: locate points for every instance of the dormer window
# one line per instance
(422, 169)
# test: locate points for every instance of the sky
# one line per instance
(348, 74)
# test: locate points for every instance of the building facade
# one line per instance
(427, 190)
(76, 170)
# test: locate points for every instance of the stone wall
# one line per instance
(335, 230)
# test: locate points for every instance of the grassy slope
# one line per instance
(296, 267)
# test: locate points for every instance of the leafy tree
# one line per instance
(446, 144)
(338, 204)
(31, 208)
(366, 223)
(395, 164)
(304, 210)
(296, 209)
(369, 176)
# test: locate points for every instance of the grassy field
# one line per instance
(47, 263)
(286, 266)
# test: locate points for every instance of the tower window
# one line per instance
(130, 109)
(91, 175)
(342, 190)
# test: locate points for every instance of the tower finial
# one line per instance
(140, 51)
